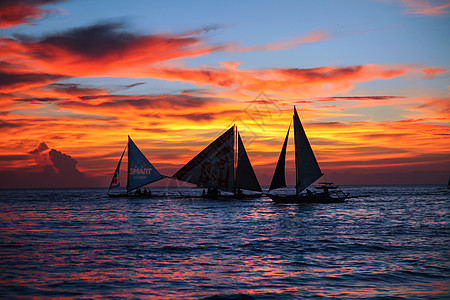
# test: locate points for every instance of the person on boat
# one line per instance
(144, 192)
(149, 193)
(309, 193)
(138, 192)
(213, 192)
(203, 193)
(239, 192)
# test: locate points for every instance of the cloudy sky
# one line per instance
(369, 78)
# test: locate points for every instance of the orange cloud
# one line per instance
(311, 37)
(101, 49)
(287, 82)
(427, 7)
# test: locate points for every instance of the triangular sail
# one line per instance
(306, 166)
(115, 182)
(140, 170)
(279, 177)
(245, 175)
(214, 166)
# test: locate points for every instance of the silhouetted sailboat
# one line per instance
(307, 171)
(140, 172)
(214, 169)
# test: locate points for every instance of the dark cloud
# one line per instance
(133, 85)
(91, 41)
(10, 81)
(14, 12)
(361, 98)
(52, 169)
(110, 41)
(140, 102)
(42, 147)
(73, 89)
(195, 116)
(37, 100)
(9, 125)
(64, 164)
(322, 74)
(13, 157)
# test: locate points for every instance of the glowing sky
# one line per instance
(369, 79)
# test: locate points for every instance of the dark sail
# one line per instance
(306, 166)
(115, 182)
(279, 177)
(140, 170)
(245, 175)
(214, 166)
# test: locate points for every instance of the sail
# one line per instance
(213, 167)
(140, 170)
(245, 175)
(307, 168)
(279, 177)
(115, 182)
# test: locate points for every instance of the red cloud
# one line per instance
(101, 49)
(14, 12)
(431, 73)
(427, 7)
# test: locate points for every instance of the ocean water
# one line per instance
(78, 243)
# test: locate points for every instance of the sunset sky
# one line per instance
(369, 79)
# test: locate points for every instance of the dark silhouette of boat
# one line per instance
(307, 171)
(213, 169)
(140, 172)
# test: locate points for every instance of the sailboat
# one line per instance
(140, 172)
(307, 171)
(214, 169)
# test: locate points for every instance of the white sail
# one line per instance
(245, 175)
(306, 166)
(140, 170)
(214, 166)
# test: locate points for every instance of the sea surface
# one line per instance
(394, 243)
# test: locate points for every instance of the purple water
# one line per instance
(79, 243)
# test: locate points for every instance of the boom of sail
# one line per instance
(213, 167)
(140, 171)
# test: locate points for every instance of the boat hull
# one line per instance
(305, 199)
(223, 197)
(141, 196)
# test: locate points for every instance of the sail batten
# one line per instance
(279, 176)
(306, 166)
(213, 167)
(140, 171)
(245, 175)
